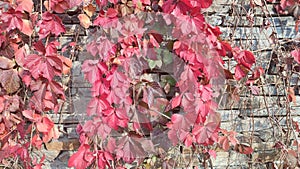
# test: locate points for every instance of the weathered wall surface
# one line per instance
(256, 116)
(251, 116)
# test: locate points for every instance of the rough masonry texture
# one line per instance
(249, 116)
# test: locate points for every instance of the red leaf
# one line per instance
(43, 66)
(12, 19)
(97, 105)
(286, 3)
(115, 118)
(103, 130)
(108, 19)
(244, 148)
(254, 90)
(212, 153)
(181, 5)
(42, 100)
(10, 80)
(192, 23)
(291, 95)
(37, 141)
(245, 58)
(39, 46)
(2, 128)
(45, 125)
(201, 3)
(59, 6)
(203, 133)
(240, 72)
(224, 142)
(226, 49)
(296, 54)
(27, 27)
(91, 70)
(31, 115)
(129, 149)
(78, 159)
(104, 158)
(176, 101)
(258, 72)
(20, 55)
(53, 133)
(2, 103)
(297, 25)
(50, 24)
(180, 128)
(229, 137)
(73, 3)
(51, 48)
(6, 63)
(207, 131)
(24, 5)
(104, 48)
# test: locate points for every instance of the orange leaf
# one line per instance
(27, 27)
(84, 20)
(89, 9)
(67, 64)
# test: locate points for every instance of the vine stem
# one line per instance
(161, 114)
(41, 8)
(96, 148)
(31, 135)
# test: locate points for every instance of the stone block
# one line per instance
(241, 21)
(282, 21)
(84, 55)
(74, 29)
(64, 118)
(257, 33)
(50, 154)
(68, 19)
(63, 144)
(217, 8)
(225, 159)
(245, 124)
(66, 107)
(80, 82)
(76, 68)
(214, 20)
(55, 165)
(64, 156)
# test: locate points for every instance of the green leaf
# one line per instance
(158, 63)
(154, 63)
(170, 80)
(167, 57)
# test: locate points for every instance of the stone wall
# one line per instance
(251, 116)
(256, 116)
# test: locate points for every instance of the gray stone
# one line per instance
(214, 20)
(76, 68)
(232, 21)
(217, 8)
(63, 118)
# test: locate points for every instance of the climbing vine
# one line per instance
(133, 120)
